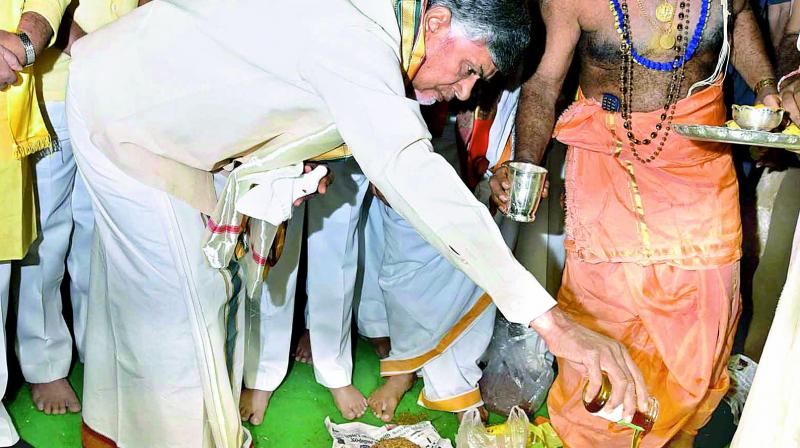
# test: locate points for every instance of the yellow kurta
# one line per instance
(21, 133)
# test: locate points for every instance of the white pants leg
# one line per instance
(371, 317)
(269, 321)
(44, 344)
(156, 373)
(8, 434)
(79, 262)
(332, 262)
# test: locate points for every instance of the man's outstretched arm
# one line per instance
(365, 94)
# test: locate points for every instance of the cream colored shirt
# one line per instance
(177, 89)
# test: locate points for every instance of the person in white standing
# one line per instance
(66, 223)
(26, 29)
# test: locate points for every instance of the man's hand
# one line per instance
(772, 100)
(377, 193)
(501, 188)
(323, 183)
(75, 33)
(595, 354)
(9, 66)
(790, 97)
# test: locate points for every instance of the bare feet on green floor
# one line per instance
(681, 440)
(302, 353)
(55, 397)
(382, 346)
(350, 401)
(385, 399)
(253, 404)
(481, 410)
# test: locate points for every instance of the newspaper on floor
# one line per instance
(360, 435)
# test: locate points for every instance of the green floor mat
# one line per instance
(294, 418)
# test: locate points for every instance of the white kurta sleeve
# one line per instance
(358, 76)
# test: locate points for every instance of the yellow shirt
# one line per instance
(89, 15)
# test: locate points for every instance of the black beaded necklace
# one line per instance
(673, 89)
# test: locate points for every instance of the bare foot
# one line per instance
(681, 440)
(481, 410)
(253, 403)
(350, 401)
(302, 353)
(55, 397)
(385, 399)
(382, 346)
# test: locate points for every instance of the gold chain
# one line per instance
(654, 24)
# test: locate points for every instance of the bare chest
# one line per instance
(653, 29)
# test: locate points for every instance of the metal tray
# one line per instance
(739, 136)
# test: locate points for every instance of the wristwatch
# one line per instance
(30, 54)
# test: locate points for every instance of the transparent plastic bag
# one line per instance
(472, 433)
(519, 369)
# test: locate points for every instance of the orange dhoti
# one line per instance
(652, 261)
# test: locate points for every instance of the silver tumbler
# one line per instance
(527, 184)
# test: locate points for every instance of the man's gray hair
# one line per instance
(503, 25)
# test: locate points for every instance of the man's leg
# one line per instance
(451, 380)
(371, 314)
(78, 260)
(8, 434)
(156, 371)
(269, 327)
(332, 262)
(440, 323)
(773, 266)
(664, 316)
(44, 345)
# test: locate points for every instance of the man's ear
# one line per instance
(437, 20)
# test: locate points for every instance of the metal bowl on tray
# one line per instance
(757, 118)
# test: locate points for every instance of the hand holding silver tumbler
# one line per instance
(527, 184)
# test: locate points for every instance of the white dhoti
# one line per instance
(371, 313)
(332, 265)
(44, 344)
(156, 372)
(269, 320)
(440, 322)
(8, 434)
(771, 415)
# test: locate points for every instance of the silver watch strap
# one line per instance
(30, 54)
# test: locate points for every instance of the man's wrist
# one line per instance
(765, 87)
(30, 52)
(548, 324)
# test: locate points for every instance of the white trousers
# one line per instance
(332, 254)
(156, 372)
(269, 320)
(44, 344)
(332, 263)
(371, 312)
(8, 434)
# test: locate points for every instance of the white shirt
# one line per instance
(177, 89)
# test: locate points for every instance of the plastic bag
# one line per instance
(519, 369)
(361, 435)
(472, 433)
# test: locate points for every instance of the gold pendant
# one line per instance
(665, 12)
(666, 41)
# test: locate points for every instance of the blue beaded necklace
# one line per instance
(665, 66)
